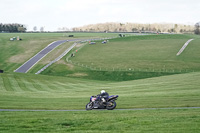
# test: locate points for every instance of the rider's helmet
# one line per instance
(103, 91)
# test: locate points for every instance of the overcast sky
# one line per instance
(71, 13)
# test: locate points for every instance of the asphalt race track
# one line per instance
(101, 109)
(31, 62)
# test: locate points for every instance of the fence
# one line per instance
(165, 70)
(57, 59)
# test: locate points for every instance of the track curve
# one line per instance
(31, 62)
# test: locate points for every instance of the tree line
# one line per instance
(136, 27)
(12, 27)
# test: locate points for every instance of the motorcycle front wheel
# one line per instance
(111, 105)
(89, 106)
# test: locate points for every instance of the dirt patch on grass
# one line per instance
(78, 74)
(18, 58)
(30, 48)
(71, 66)
(21, 58)
(61, 62)
(79, 45)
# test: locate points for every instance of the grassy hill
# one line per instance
(133, 57)
(142, 52)
(15, 53)
(19, 91)
(51, 92)
(163, 80)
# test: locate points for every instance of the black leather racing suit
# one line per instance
(104, 95)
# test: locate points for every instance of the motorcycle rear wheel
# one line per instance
(111, 105)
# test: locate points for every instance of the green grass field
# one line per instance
(50, 92)
(165, 121)
(66, 85)
(15, 53)
(142, 52)
(134, 57)
(19, 91)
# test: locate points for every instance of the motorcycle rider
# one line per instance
(104, 96)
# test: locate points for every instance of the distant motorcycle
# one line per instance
(97, 103)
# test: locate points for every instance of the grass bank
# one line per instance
(130, 58)
(15, 53)
(165, 121)
(19, 91)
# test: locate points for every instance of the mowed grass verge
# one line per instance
(20, 91)
(165, 121)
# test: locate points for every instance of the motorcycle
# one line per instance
(97, 103)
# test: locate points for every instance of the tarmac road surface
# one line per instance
(101, 109)
(31, 62)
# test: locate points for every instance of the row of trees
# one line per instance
(115, 27)
(12, 27)
(41, 29)
(136, 27)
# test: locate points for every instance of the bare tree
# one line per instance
(42, 29)
(35, 28)
(197, 28)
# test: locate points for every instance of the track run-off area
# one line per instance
(33, 110)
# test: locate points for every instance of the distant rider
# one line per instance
(104, 95)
